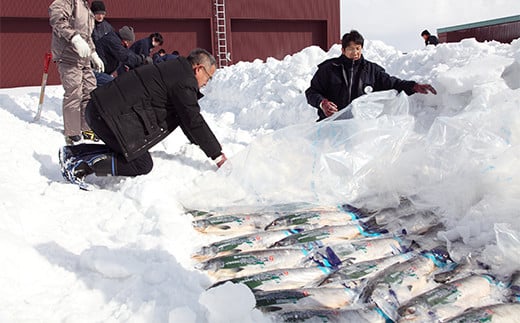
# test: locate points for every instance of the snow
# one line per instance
(122, 253)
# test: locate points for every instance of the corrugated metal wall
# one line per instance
(274, 38)
(289, 26)
(23, 44)
(290, 10)
(256, 29)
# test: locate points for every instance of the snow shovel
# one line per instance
(46, 62)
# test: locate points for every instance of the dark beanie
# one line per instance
(98, 7)
(127, 33)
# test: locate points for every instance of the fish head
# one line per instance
(274, 224)
(198, 213)
(201, 225)
(213, 264)
(281, 243)
(205, 252)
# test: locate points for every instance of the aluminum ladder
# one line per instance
(220, 33)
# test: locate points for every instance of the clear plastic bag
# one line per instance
(325, 162)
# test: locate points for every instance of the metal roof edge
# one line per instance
(480, 24)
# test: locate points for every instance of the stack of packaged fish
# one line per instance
(344, 264)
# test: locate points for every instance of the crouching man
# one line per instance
(138, 110)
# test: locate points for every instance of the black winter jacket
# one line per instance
(142, 46)
(101, 29)
(431, 40)
(341, 80)
(111, 50)
(146, 104)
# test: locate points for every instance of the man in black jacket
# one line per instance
(340, 80)
(429, 39)
(113, 50)
(136, 111)
(145, 46)
(101, 27)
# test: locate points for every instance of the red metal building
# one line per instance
(233, 30)
(503, 30)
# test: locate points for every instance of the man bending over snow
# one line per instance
(136, 111)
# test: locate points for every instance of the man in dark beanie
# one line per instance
(102, 27)
(98, 7)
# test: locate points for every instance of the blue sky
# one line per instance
(400, 22)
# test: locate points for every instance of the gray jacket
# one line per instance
(68, 18)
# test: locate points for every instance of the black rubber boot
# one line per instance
(76, 162)
(87, 149)
(99, 164)
(104, 165)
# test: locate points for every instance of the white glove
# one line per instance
(97, 63)
(81, 46)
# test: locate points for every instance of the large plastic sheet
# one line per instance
(332, 161)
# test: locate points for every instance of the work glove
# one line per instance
(97, 63)
(81, 46)
(328, 107)
(423, 88)
(220, 160)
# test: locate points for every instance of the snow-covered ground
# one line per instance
(122, 253)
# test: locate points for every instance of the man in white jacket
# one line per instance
(73, 50)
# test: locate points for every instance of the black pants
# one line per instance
(141, 165)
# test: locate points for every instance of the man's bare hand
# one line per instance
(424, 88)
(328, 107)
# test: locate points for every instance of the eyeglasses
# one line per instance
(205, 70)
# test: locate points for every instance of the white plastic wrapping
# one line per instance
(324, 162)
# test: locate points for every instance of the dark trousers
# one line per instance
(141, 165)
(103, 78)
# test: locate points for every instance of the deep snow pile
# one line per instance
(122, 253)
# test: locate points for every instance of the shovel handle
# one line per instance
(46, 62)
